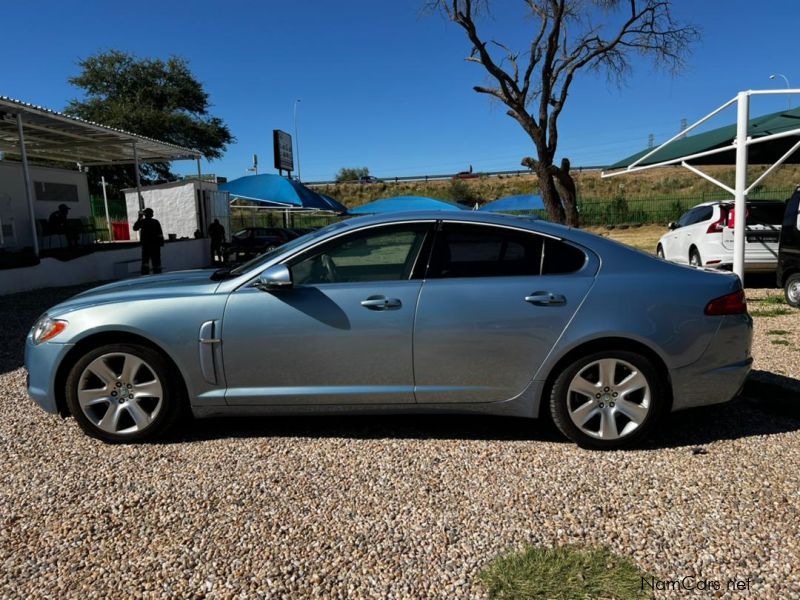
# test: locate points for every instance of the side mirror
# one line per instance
(672, 226)
(277, 277)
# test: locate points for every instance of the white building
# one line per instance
(177, 207)
(51, 187)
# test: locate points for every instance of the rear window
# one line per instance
(765, 214)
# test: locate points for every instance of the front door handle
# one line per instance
(381, 303)
(546, 299)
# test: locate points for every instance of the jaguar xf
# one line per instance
(430, 312)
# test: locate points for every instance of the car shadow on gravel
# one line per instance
(405, 426)
(769, 404)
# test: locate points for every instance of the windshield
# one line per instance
(299, 241)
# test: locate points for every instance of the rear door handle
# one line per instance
(546, 299)
(381, 303)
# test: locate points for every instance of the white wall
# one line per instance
(14, 203)
(102, 266)
(174, 206)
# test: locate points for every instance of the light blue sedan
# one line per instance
(413, 312)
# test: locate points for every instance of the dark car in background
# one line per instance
(251, 241)
(789, 251)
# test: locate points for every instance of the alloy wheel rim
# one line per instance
(609, 399)
(120, 393)
(794, 292)
(694, 260)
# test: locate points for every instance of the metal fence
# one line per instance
(241, 218)
(660, 210)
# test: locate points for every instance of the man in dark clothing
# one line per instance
(152, 239)
(217, 234)
(60, 224)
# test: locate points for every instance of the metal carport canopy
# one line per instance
(34, 131)
(55, 136)
(771, 139)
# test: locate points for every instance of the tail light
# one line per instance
(729, 304)
(716, 226)
(732, 217)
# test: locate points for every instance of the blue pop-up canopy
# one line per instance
(277, 191)
(334, 204)
(512, 203)
(403, 204)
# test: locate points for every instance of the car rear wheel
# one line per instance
(123, 393)
(694, 258)
(660, 252)
(607, 400)
(792, 290)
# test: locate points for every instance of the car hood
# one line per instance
(177, 283)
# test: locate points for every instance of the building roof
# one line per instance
(52, 135)
(785, 122)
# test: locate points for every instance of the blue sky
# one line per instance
(385, 87)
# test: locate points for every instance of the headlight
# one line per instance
(46, 329)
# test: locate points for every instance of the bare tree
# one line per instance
(534, 84)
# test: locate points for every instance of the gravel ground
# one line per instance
(391, 507)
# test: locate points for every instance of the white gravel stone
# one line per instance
(390, 507)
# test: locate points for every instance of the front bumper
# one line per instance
(42, 364)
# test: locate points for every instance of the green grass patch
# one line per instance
(772, 300)
(780, 342)
(770, 312)
(777, 332)
(562, 573)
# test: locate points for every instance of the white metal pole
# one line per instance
(203, 213)
(297, 139)
(28, 187)
(138, 181)
(742, 120)
(105, 204)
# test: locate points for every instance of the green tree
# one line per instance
(155, 98)
(347, 174)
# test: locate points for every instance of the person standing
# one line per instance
(152, 238)
(217, 234)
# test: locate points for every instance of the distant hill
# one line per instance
(657, 183)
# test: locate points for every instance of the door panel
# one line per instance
(495, 302)
(319, 345)
(478, 340)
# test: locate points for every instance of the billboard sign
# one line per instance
(282, 144)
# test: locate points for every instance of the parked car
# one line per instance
(789, 251)
(251, 241)
(368, 179)
(703, 236)
(402, 313)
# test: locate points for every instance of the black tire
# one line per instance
(172, 399)
(694, 258)
(792, 284)
(560, 400)
(660, 252)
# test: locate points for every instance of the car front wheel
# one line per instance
(792, 290)
(123, 393)
(660, 252)
(607, 400)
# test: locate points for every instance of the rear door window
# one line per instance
(463, 250)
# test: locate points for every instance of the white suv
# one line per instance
(703, 236)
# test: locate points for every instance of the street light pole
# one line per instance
(788, 87)
(296, 137)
